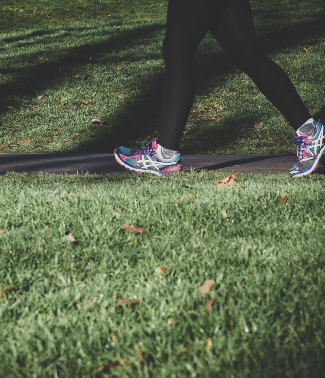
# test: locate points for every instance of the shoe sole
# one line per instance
(313, 166)
(138, 170)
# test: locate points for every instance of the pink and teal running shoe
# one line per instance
(309, 151)
(147, 159)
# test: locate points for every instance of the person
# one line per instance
(231, 24)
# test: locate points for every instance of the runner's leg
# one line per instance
(235, 33)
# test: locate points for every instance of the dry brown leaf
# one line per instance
(228, 181)
(191, 195)
(5, 289)
(170, 321)
(224, 214)
(205, 288)
(112, 365)
(93, 95)
(47, 227)
(9, 107)
(39, 97)
(283, 200)
(119, 96)
(69, 237)
(140, 354)
(75, 76)
(183, 350)
(133, 229)
(2, 176)
(208, 306)
(160, 270)
(114, 339)
(8, 128)
(96, 120)
(258, 125)
(120, 302)
(208, 345)
(63, 103)
(51, 114)
(81, 106)
(307, 51)
(22, 142)
(116, 214)
(2, 232)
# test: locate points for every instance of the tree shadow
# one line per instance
(140, 118)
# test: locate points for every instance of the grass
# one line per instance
(266, 258)
(261, 241)
(51, 68)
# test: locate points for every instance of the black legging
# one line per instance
(231, 24)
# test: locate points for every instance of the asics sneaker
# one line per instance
(310, 148)
(152, 159)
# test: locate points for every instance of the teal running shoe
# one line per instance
(148, 160)
(310, 149)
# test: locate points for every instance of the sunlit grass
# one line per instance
(265, 256)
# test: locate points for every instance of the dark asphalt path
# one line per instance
(69, 163)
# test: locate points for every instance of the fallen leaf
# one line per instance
(283, 200)
(81, 106)
(2, 176)
(8, 128)
(120, 302)
(47, 227)
(5, 289)
(205, 288)
(140, 354)
(63, 103)
(259, 125)
(39, 97)
(306, 289)
(116, 215)
(208, 345)
(224, 214)
(22, 142)
(69, 237)
(96, 120)
(228, 181)
(119, 96)
(51, 114)
(170, 321)
(114, 339)
(75, 76)
(208, 306)
(112, 365)
(9, 107)
(93, 95)
(160, 270)
(183, 350)
(2, 232)
(307, 51)
(191, 195)
(133, 229)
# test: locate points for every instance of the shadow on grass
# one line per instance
(139, 119)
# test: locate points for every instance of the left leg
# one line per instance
(236, 34)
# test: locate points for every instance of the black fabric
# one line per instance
(231, 24)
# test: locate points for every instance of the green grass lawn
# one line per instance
(67, 261)
(64, 64)
(265, 255)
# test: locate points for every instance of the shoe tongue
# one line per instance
(154, 144)
(308, 129)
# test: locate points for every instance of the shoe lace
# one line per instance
(144, 150)
(301, 146)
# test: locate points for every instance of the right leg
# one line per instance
(187, 24)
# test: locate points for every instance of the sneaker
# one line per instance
(309, 150)
(148, 159)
